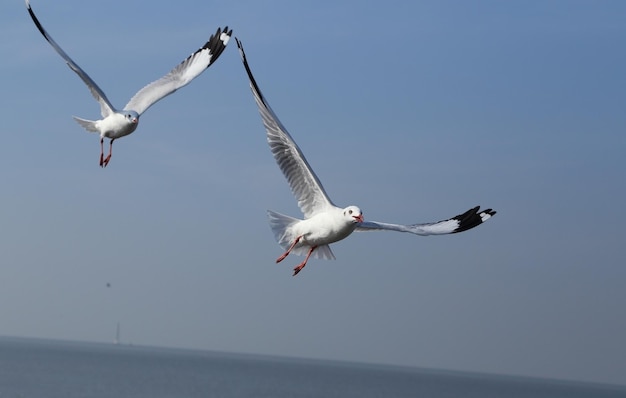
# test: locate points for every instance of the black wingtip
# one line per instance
(35, 20)
(240, 47)
(217, 43)
(472, 218)
(253, 83)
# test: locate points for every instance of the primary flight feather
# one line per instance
(324, 223)
(118, 123)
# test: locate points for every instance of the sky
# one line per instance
(414, 111)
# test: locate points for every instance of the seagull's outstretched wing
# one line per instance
(181, 75)
(105, 105)
(304, 184)
(468, 220)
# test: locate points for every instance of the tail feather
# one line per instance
(323, 252)
(280, 223)
(89, 125)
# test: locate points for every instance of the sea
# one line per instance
(50, 369)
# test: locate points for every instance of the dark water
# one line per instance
(41, 368)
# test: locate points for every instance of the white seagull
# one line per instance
(324, 223)
(114, 123)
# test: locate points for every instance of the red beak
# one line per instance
(359, 218)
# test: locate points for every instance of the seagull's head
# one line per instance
(353, 213)
(132, 117)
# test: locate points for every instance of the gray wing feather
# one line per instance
(182, 74)
(304, 184)
(462, 222)
(105, 105)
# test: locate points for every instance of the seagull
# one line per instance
(324, 223)
(115, 123)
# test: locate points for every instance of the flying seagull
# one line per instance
(115, 123)
(324, 223)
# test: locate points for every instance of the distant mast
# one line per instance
(117, 334)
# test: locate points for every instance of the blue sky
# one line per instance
(412, 111)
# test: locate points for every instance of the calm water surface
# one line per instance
(41, 368)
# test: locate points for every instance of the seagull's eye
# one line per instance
(349, 211)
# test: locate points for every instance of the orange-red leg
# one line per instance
(302, 264)
(106, 161)
(101, 152)
(285, 254)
